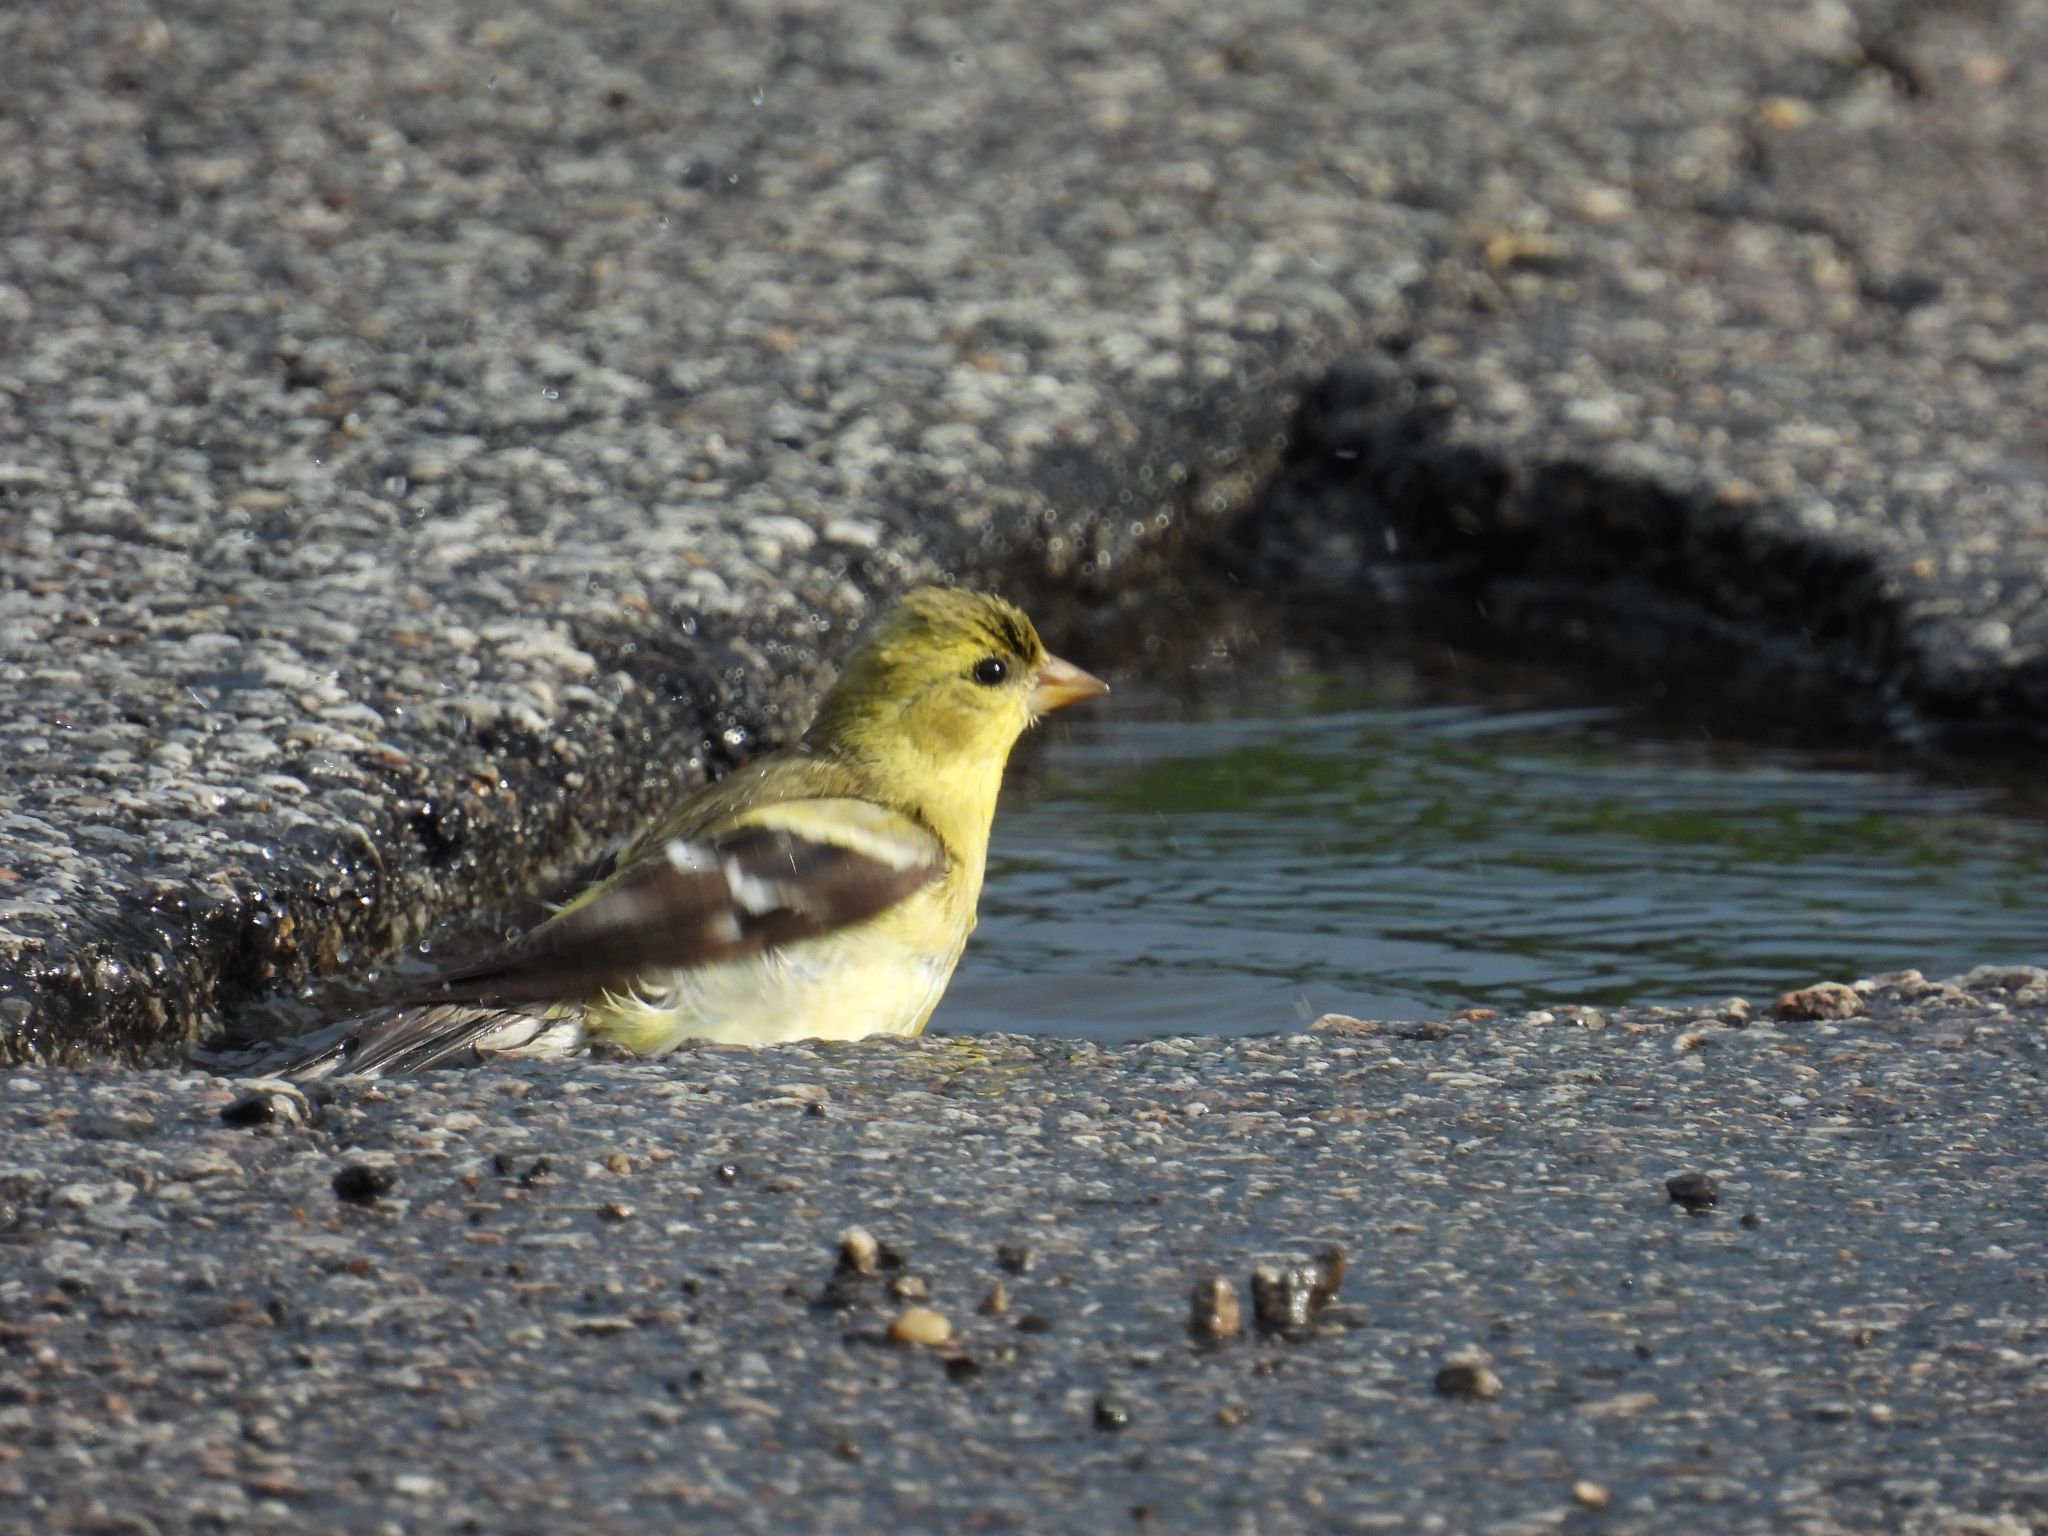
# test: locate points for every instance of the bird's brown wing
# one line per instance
(768, 876)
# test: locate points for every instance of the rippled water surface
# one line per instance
(1162, 867)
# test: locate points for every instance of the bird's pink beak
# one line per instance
(1060, 683)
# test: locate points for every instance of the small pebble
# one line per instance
(859, 1253)
(1343, 1024)
(1283, 1295)
(921, 1325)
(1112, 1413)
(1015, 1257)
(1826, 1000)
(615, 1210)
(1230, 1415)
(1331, 1265)
(1468, 1379)
(1213, 1313)
(1591, 1494)
(997, 1300)
(360, 1184)
(1694, 1190)
(909, 1288)
(269, 1103)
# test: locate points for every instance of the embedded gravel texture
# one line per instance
(613, 1297)
(431, 435)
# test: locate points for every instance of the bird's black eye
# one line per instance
(990, 670)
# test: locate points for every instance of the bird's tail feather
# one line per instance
(408, 1037)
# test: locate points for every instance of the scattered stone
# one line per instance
(1694, 1190)
(1281, 1295)
(1591, 1494)
(615, 1210)
(909, 1288)
(1213, 1314)
(1468, 1379)
(269, 1101)
(1825, 1000)
(921, 1325)
(1034, 1322)
(1015, 1257)
(361, 1184)
(1230, 1415)
(859, 1253)
(997, 1301)
(728, 1173)
(1112, 1413)
(1286, 1293)
(1344, 1024)
(1331, 1266)
(962, 1368)
(506, 1165)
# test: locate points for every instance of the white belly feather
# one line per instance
(805, 992)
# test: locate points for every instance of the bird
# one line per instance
(825, 890)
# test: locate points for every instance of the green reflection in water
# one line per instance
(1229, 871)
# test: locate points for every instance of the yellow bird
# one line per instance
(825, 890)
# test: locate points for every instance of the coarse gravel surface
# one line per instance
(624, 1297)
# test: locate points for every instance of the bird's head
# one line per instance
(939, 691)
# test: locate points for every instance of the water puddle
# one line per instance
(1241, 861)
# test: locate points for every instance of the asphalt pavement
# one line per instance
(1632, 1272)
